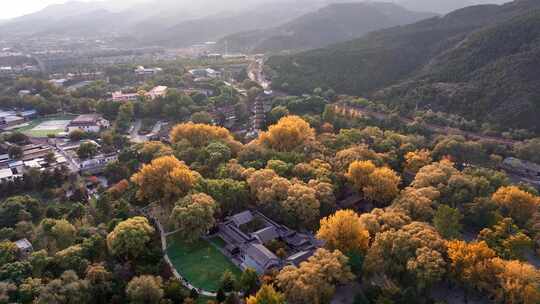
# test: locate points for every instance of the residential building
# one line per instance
(7, 175)
(10, 121)
(121, 97)
(142, 71)
(159, 91)
(97, 164)
(156, 92)
(205, 73)
(58, 82)
(88, 123)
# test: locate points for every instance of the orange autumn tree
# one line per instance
(200, 135)
(345, 232)
(470, 263)
(516, 203)
(165, 179)
(288, 134)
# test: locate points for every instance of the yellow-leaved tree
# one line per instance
(288, 134)
(164, 180)
(345, 232)
(200, 135)
(314, 281)
(266, 295)
(379, 185)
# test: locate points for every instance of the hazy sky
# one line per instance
(14, 8)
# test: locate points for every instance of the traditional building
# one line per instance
(88, 123)
(250, 246)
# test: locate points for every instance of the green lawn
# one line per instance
(200, 263)
(29, 129)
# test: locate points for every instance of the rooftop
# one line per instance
(23, 244)
(86, 119)
(5, 173)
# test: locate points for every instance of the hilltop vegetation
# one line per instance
(477, 62)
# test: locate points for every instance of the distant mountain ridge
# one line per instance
(331, 24)
(443, 6)
(478, 62)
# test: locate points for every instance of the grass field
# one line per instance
(35, 127)
(200, 263)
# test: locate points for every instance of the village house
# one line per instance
(88, 123)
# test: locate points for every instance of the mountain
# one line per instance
(216, 26)
(443, 6)
(331, 24)
(251, 19)
(163, 22)
(478, 62)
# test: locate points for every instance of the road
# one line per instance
(255, 73)
(134, 133)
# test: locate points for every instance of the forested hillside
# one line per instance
(331, 24)
(475, 61)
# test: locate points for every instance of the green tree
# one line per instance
(8, 252)
(232, 196)
(194, 215)
(15, 152)
(130, 237)
(227, 282)
(126, 113)
(447, 220)
(249, 281)
(145, 289)
(68, 289)
(87, 150)
(506, 239)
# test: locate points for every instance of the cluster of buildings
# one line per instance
(12, 118)
(60, 80)
(33, 157)
(204, 74)
(249, 236)
(156, 92)
(93, 165)
(12, 71)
